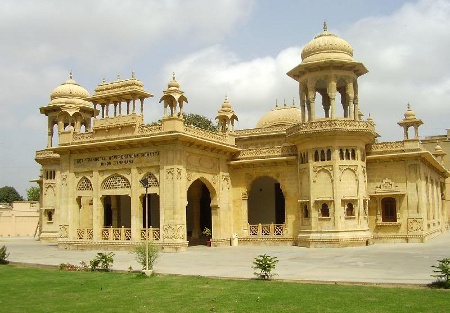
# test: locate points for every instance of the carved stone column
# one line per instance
(331, 90)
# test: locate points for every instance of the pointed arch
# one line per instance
(152, 180)
(84, 184)
(115, 181)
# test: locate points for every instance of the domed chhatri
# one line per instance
(69, 89)
(327, 45)
(410, 114)
(281, 116)
(173, 83)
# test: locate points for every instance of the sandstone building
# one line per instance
(310, 176)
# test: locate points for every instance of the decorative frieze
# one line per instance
(267, 152)
(117, 159)
(387, 186)
(347, 125)
(415, 224)
(174, 232)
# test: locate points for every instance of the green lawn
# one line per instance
(24, 289)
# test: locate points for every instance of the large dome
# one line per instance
(281, 116)
(69, 89)
(325, 46)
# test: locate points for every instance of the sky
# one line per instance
(241, 49)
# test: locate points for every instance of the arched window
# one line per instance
(341, 154)
(349, 211)
(388, 210)
(322, 155)
(316, 156)
(347, 154)
(328, 155)
(325, 210)
(353, 154)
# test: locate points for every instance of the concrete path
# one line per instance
(379, 263)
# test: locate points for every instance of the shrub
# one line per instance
(443, 278)
(4, 255)
(153, 254)
(102, 261)
(265, 264)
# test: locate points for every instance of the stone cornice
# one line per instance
(329, 125)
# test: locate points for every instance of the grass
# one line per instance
(24, 289)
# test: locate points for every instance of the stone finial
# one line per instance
(132, 74)
(118, 76)
(276, 103)
(70, 75)
(293, 101)
(173, 76)
(284, 102)
(103, 80)
(325, 26)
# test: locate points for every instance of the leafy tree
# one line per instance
(199, 121)
(9, 194)
(33, 193)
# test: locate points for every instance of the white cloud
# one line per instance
(252, 86)
(406, 56)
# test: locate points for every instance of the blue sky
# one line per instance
(232, 47)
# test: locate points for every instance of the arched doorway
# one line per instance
(266, 206)
(198, 212)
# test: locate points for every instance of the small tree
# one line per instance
(265, 264)
(9, 194)
(33, 193)
(4, 255)
(153, 254)
(443, 268)
(199, 121)
(102, 261)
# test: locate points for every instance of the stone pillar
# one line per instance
(350, 96)
(97, 208)
(115, 211)
(136, 212)
(128, 107)
(115, 109)
(142, 105)
(244, 209)
(134, 106)
(331, 91)
(311, 100)
(120, 108)
(301, 91)
(49, 133)
(107, 110)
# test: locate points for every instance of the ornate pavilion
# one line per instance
(312, 176)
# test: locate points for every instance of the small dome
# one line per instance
(226, 104)
(327, 45)
(173, 83)
(438, 148)
(280, 116)
(69, 89)
(410, 114)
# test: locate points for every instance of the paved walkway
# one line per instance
(379, 263)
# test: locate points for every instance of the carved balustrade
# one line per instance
(116, 234)
(85, 233)
(267, 152)
(152, 233)
(263, 230)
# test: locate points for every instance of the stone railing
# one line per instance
(262, 230)
(46, 154)
(332, 125)
(82, 136)
(152, 233)
(118, 121)
(149, 129)
(267, 152)
(85, 233)
(386, 146)
(116, 233)
(204, 134)
(259, 131)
